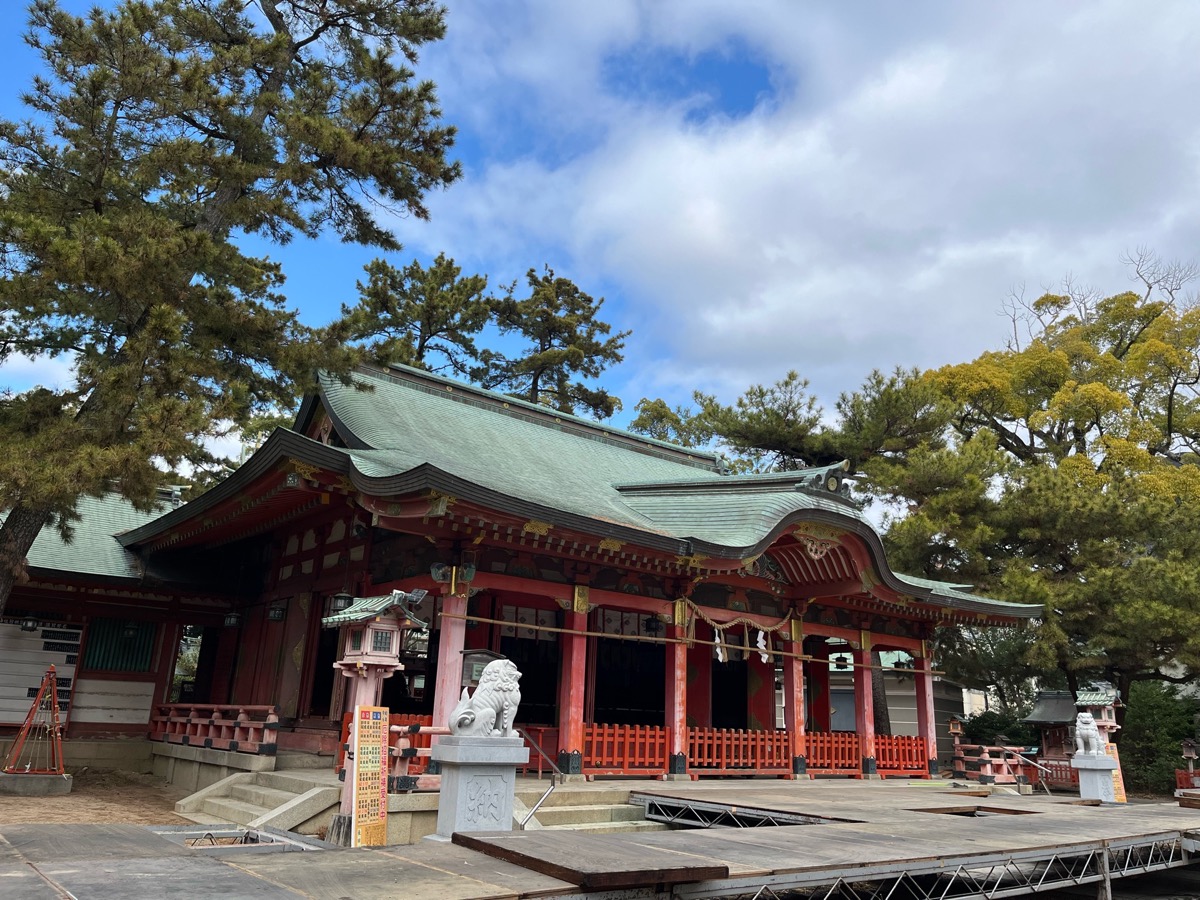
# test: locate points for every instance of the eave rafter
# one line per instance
(291, 489)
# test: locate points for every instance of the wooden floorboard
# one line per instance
(597, 861)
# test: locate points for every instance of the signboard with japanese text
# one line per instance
(1118, 778)
(370, 746)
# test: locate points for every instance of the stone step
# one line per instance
(261, 795)
(565, 795)
(239, 812)
(610, 827)
(577, 815)
(295, 781)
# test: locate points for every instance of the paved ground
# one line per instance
(127, 862)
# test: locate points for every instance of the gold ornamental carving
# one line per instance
(817, 539)
(533, 526)
(307, 471)
(439, 503)
(579, 602)
(690, 562)
(611, 544)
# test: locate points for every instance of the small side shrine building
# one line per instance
(668, 618)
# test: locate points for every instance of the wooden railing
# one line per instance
(244, 729)
(1059, 774)
(897, 754)
(993, 764)
(625, 749)
(727, 751)
(833, 753)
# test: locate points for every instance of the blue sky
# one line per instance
(768, 185)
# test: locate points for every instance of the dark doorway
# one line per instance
(324, 673)
(630, 683)
(538, 662)
(729, 694)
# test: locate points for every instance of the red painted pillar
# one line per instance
(572, 685)
(793, 703)
(760, 691)
(926, 722)
(450, 660)
(699, 677)
(864, 706)
(820, 708)
(677, 700)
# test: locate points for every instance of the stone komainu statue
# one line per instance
(1087, 736)
(490, 712)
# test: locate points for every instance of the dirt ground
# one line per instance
(101, 797)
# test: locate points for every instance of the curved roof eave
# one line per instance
(282, 444)
(426, 476)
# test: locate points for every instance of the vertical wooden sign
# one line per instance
(1118, 778)
(370, 776)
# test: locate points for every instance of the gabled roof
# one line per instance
(407, 431)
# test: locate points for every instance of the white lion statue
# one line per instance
(491, 710)
(1087, 736)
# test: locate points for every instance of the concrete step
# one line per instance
(565, 795)
(578, 815)
(239, 812)
(296, 781)
(260, 795)
(610, 827)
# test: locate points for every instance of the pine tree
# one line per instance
(409, 315)
(564, 341)
(159, 131)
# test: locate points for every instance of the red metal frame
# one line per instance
(43, 715)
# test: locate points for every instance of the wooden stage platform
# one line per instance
(905, 841)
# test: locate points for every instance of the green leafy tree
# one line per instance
(412, 314)
(159, 132)
(564, 342)
(1069, 480)
(1157, 723)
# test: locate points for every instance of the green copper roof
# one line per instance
(561, 463)
(364, 608)
(94, 548)
(500, 451)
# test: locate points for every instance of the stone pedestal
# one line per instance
(479, 776)
(1095, 777)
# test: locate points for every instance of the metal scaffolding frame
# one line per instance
(987, 876)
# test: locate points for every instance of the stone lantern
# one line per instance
(375, 629)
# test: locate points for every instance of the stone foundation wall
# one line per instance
(125, 754)
(193, 768)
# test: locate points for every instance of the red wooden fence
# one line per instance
(625, 749)
(897, 754)
(833, 753)
(245, 729)
(421, 740)
(727, 751)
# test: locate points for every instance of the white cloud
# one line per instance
(917, 162)
(20, 373)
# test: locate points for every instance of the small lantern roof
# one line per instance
(1096, 697)
(365, 608)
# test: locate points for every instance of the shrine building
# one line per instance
(669, 618)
